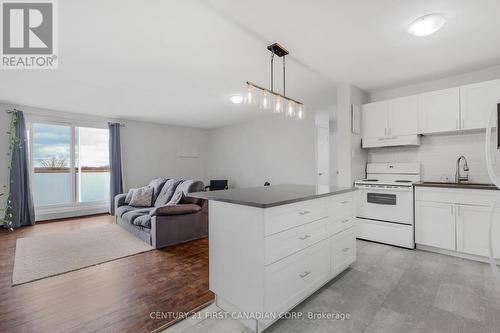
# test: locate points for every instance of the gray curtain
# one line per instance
(115, 164)
(20, 211)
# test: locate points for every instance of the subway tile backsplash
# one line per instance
(438, 154)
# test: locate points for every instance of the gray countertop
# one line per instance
(472, 186)
(271, 196)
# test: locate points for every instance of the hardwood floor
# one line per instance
(117, 296)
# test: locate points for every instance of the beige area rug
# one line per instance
(43, 256)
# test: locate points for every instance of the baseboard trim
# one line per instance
(453, 253)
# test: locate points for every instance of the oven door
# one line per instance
(390, 204)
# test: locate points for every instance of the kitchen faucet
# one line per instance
(458, 177)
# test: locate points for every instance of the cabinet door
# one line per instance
(435, 224)
(403, 116)
(477, 101)
(473, 230)
(343, 247)
(439, 111)
(374, 120)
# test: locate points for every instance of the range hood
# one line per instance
(391, 141)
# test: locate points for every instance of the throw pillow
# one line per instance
(176, 198)
(157, 185)
(167, 192)
(142, 197)
(128, 198)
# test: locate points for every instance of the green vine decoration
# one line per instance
(14, 142)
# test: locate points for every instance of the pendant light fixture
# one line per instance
(270, 99)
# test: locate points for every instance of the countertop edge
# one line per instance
(457, 186)
(278, 203)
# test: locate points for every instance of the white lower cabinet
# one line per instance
(435, 224)
(473, 230)
(456, 220)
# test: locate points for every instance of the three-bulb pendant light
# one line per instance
(271, 100)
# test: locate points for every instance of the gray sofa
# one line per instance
(162, 225)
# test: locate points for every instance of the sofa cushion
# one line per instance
(143, 221)
(157, 185)
(167, 192)
(175, 210)
(124, 209)
(142, 197)
(188, 186)
(132, 215)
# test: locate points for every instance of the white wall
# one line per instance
(270, 148)
(347, 158)
(148, 150)
(438, 153)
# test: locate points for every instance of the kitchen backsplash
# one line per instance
(438, 154)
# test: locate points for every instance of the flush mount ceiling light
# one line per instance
(268, 98)
(426, 25)
(236, 99)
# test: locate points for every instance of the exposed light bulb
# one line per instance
(264, 102)
(426, 25)
(290, 111)
(301, 113)
(250, 97)
(278, 105)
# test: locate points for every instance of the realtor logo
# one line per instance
(29, 35)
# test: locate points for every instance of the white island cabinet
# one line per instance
(272, 247)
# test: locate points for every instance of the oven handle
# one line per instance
(392, 189)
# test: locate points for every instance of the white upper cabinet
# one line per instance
(374, 120)
(476, 102)
(439, 111)
(403, 116)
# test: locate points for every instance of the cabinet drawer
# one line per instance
(290, 241)
(343, 247)
(289, 216)
(343, 223)
(341, 205)
(289, 281)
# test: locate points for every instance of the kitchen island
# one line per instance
(271, 247)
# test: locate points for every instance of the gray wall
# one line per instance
(270, 148)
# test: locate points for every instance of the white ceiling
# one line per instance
(178, 62)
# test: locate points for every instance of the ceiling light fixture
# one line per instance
(426, 25)
(279, 103)
(236, 99)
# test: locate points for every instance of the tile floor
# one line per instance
(390, 289)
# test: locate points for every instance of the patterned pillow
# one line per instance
(130, 193)
(142, 197)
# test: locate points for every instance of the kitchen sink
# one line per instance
(460, 185)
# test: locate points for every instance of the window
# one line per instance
(70, 164)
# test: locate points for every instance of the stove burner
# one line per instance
(403, 181)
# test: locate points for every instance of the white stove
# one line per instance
(385, 210)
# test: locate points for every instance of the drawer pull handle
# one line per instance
(304, 274)
(345, 249)
(344, 202)
(345, 221)
(304, 237)
(304, 212)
